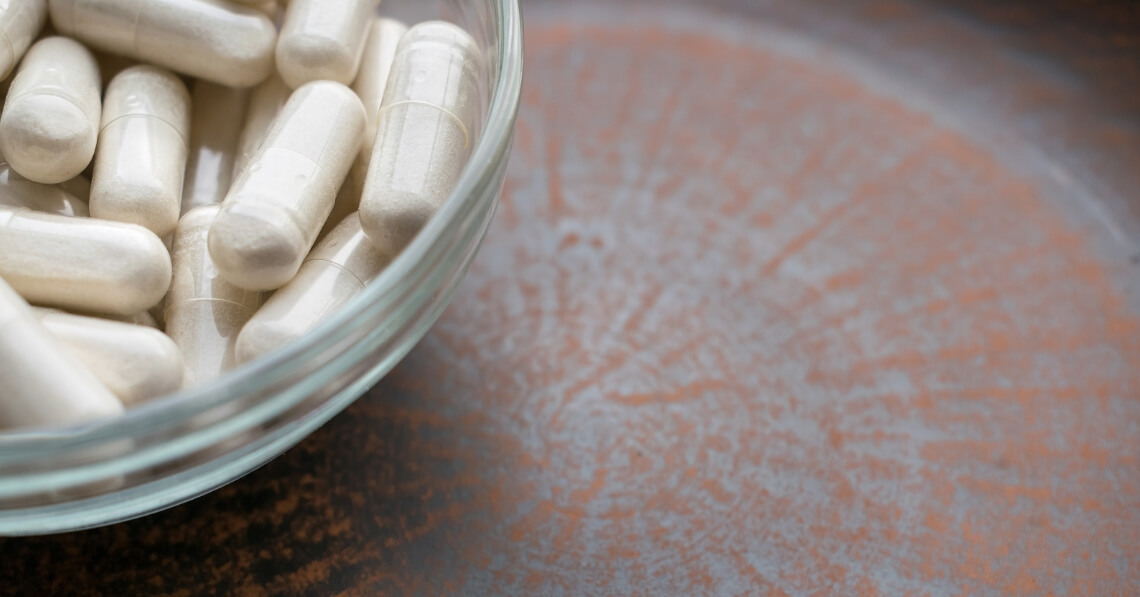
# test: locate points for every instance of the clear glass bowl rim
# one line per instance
(425, 250)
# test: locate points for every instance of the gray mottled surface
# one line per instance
(782, 299)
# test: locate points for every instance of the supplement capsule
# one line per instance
(141, 160)
(136, 363)
(323, 40)
(51, 118)
(265, 104)
(82, 264)
(423, 132)
(277, 206)
(384, 37)
(208, 39)
(17, 191)
(204, 313)
(218, 113)
(43, 384)
(379, 50)
(339, 267)
(20, 22)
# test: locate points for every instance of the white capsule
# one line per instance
(384, 37)
(82, 264)
(51, 117)
(323, 40)
(423, 132)
(136, 363)
(20, 22)
(41, 383)
(379, 50)
(204, 313)
(265, 103)
(208, 39)
(277, 206)
(218, 113)
(17, 191)
(141, 160)
(339, 267)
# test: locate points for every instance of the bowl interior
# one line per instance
(180, 446)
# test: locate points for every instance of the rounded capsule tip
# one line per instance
(40, 139)
(145, 276)
(260, 337)
(391, 224)
(256, 246)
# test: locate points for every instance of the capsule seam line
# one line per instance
(59, 93)
(172, 127)
(342, 268)
(166, 313)
(466, 135)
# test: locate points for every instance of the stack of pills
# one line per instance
(166, 164)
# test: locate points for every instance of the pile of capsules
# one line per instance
(187, 185)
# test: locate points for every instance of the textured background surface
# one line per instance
(840, 303)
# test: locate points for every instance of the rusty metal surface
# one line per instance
(783, 299)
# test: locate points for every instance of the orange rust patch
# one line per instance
(828, 345)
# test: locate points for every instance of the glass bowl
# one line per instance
(175, 449)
